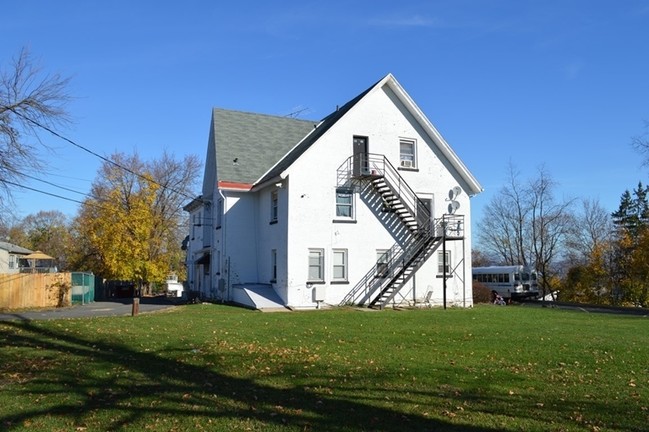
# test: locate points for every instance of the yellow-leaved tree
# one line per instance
(132, 226)
(636, 285)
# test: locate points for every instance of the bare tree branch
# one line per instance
(641, 144)
(27, 95)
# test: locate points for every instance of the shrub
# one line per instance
(60, 290)
(481, 294)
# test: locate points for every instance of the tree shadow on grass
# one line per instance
(143, 389)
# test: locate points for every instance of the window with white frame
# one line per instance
(12, 262)
(407, 153)
(339, 265)
(440, 262)
(344, 203)
(273, 265)
(273, 206)
(316, 265)
(382, 262)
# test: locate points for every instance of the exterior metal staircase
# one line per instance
(382, 282)
(393, 202)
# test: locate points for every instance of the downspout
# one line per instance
(256, 215)
(224, 255)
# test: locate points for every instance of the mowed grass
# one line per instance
(211, 367)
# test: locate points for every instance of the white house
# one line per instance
(10, 256)
(368, 206)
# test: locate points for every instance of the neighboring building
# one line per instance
(10, 257)
(348, 210)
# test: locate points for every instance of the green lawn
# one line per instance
(209, 367)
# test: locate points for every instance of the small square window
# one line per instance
(407, 153)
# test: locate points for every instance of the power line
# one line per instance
(47, 182)
(92, 201)
(56, 134)
(43, 192)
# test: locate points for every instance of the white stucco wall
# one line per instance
(241, 247)
(311, 208)
(272, 235)
(238, 233)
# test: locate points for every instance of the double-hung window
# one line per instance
(344, 203)
(339, 265)
(441, 261)
(316, 265)
(382, 263)
(273, 206)
(407, 153)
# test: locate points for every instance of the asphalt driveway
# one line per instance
(115, 307)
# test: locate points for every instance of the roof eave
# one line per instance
(234, 186)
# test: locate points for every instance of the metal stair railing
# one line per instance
(378, 275)
(383, 277)
(384, 274)
(411, 258)
(368, 167)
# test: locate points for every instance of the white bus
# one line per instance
(510, 282)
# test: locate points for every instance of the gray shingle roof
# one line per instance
(323, 127)
(248, 144)
(12, 248)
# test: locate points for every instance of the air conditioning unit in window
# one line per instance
(406, 163)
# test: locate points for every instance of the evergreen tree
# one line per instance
(641, 205)
(631, 257)
(633, 212)
(623, 217)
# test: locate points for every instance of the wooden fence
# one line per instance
(35, 290)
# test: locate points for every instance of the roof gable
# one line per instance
(252, 149)
(472, 184)
(473, 187)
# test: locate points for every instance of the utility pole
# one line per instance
(444, 259)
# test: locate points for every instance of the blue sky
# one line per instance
(564, 84)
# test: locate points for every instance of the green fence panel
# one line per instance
(83, 288)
